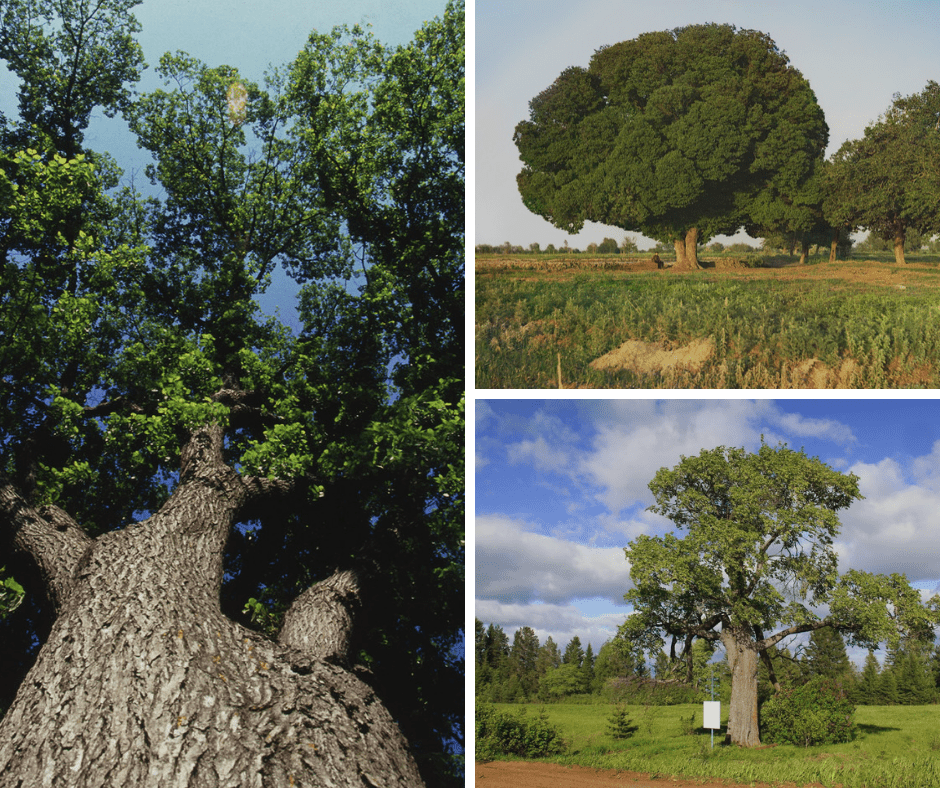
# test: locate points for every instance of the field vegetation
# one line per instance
(746, 321)
(890, 746)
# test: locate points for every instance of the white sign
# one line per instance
(712, 714)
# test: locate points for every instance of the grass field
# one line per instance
(849, 324)
(894, 747)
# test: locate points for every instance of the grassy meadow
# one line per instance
(849, 324)
(894, 747)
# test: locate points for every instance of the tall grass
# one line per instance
(892, 746)
(529, 322)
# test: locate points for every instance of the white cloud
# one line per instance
(561, 622)
(629, 450)
(896, 528)
(516, 565)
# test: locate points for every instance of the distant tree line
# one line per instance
(771, 244)
(522, 669)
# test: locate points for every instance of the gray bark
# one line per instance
(144, 682)
(742, 659)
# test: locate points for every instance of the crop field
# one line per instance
(572, 322)
(894, 746)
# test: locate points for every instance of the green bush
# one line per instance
(619, 724)
(818, 712)
(501, 733)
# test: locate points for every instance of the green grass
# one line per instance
(529, 321)
(894, 746)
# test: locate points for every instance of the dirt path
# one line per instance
(523, 774)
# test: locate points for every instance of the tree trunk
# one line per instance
(688, 249)
(804, 251)
(742, 659)
(899, 245)
(679, 245)
(144, 682)
(834, 245)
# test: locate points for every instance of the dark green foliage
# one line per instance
(125, 323)
(669, 131)
(826, 655)
(619, 724)
(639, 691)
(887, 180)
(818, 712)
(500, 733)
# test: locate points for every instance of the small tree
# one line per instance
(607, 246)
(758, 555)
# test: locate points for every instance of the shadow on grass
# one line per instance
(870, 729)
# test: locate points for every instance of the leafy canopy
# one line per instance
(758, 554)
(669, 131)
(127, 321)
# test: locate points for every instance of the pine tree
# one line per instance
(523, 658)
(587, 668)
(826, 654)
(574, 654)
(870, 682)
(548, 657)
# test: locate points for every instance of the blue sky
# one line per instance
(561, 488)
(855, 53)
(250, 35)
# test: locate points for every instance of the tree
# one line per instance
(826, 655)
(548, 657)
(887, 181)
(869, 681)
(607, 246)
(523, 657)
(758, 554)
(674, 134)
(241, 547)
(574, 654)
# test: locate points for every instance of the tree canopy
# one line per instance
(675, 134)
(131, 341)
(889, 180)
(757, 565)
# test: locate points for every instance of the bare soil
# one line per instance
(527, 774)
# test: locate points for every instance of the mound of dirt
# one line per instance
(649, 357)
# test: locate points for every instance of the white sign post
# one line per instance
(712, 715)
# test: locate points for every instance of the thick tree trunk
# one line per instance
(742, 659)
(899, 245)
(144, 682)
(804, 251)
(834, 245)
(679, 245)
(687, 250)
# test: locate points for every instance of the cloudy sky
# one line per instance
(561, 488)
(856, 55)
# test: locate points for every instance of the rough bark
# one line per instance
(899, 245)
(834, 245)
(143, 681)
(687, 250)
(742, 659)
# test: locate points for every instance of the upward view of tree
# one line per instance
(240, 547)
(676, 134)
(757, 556)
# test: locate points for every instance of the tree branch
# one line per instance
(320, 621)
(53, 539)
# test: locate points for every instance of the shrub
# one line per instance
(818, 712)
(619, 724)
(502, 733)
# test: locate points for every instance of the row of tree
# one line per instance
(524, 670)
(702, 130)
(914, 242)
